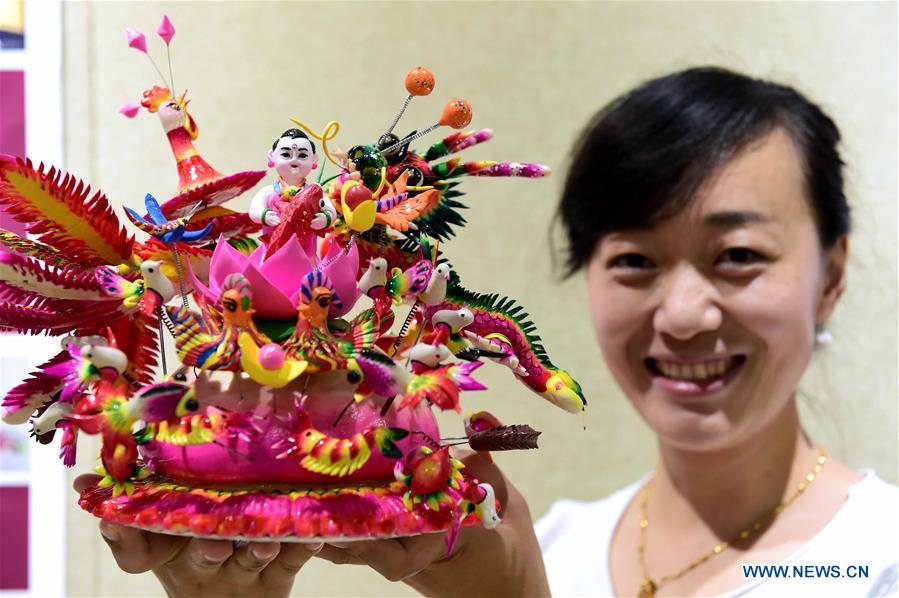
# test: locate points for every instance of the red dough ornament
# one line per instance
(199, 184)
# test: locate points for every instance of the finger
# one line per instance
(338, 556)
(487, 471)
(203, 559)
(287, 564)
(136, 551)
(85, 481)
(252, 558)
(400, 558)
(197, 565)
(483, 469)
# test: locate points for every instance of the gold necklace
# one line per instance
(648, 586)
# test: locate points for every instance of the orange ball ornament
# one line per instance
(419, 81)
(456, 113)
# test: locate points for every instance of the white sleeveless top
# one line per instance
(575, 538)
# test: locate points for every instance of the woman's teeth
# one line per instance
(701, 371)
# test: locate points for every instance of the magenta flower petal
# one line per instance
(287, 267)
(225, 260)
(268, 300)
(201, 288)
(166, 30)
(136, 39)
(130, 109)
(257, 256)
(342, 273)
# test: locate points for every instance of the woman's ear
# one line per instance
(834, 279)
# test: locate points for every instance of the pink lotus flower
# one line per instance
(276, 280)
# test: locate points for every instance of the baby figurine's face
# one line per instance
(293, 159)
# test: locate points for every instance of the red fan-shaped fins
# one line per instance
(60, 210)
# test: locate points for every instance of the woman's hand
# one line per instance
(195, 567)
(504, 561)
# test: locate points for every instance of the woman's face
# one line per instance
(706, 320)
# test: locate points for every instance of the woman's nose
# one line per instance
(687, 305)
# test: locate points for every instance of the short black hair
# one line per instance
(643, 156)
(294, 134)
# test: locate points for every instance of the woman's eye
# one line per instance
(631, 261)
(741, 256)
(285, 155)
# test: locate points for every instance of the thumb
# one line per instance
(85, 481)
(138, 551)
(485, 470)
(134, 550)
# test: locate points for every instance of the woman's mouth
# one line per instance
(695, 377)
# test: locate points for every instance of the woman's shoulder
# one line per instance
(856, 553)
(873, 487)
(869, 536)
(871, 509)
(864, 532)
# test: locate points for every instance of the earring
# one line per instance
(271, 164)
(314, 165)
(822, 335)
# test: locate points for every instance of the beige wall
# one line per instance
(534, 73)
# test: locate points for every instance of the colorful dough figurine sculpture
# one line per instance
(302, 408)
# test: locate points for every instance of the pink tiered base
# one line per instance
(244, 490)
(344, 513)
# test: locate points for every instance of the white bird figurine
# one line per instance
(425, 356)
(156, 281)
(374, 278)
(447, 324)
(435, 292)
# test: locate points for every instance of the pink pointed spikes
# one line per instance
(462, 376)
(136, 39)
(166, 30)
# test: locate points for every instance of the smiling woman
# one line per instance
(707, 208)
(737, 280)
